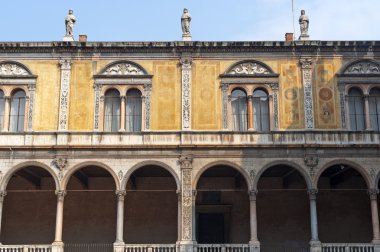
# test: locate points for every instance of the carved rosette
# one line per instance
(308, 92)
(373, 193)
(312, 194)
(186, 197)
(251, 68)
(274, 87)
(225, 87)
(97, 89)
(10, 69)
(186, 92)
(64, 94)
(147, 101)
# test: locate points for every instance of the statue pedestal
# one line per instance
(304, 37)
(68, 38)
(186, 37)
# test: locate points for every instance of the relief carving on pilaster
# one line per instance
(225, 88)
(97, 89)
(31, 89)
(306, 66)
(64, 93)
(147, 101)
(342, 103)
(274, 87)
(187, 196)
(186, 92)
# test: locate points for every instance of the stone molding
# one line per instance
(306, 66)
(64, 96)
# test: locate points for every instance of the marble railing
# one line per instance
(150, 248)
(25, 248)
(147, 139)
(223, 248)
(347, 247)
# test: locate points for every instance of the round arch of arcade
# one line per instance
(137, 166)
(293, 165)
(367, 178)
(235, 166)
(23, 165)
(79, 166)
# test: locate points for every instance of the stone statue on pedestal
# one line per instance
(304, 26)
(69, 22)
(185, 23)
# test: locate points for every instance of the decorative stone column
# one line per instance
(119, 243)
(375, 216)
(315, 244)
(179, 220)
(366, 111)
(122, 113)
(249, 111)
(7, 110)
(186, 92)
(308, 92)
(58, 244)
(2, 196)
(64, 94)
(253, 241)
(187, 205)
(225, 87)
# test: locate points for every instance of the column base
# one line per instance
(187, 246)
(57, 246)
(118, 246)
(315, 246)
(254, 246)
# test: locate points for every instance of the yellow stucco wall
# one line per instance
(166, 93)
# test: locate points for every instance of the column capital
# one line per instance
(306, 62)
(373, 193)
(7, 97)
(2, 195)
(312, 193)
(252, 194)
(60, 194)
(122, 97)
(65, 64)
(186, 61)
(186, 161)
(120, 194)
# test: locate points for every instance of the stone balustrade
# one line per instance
(25, 248)
(150, 248)
(223, 248)
(347, 247)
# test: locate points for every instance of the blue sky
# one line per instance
(212, 20)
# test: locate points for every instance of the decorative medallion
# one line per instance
(250, 68)
(291, 94)
(325, 94)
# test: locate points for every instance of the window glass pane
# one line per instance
(260, 110)
(112, 111)
(2, 109)
(356, 109)
(133, 112)
(374, 109)
(17, 113)
(239, 110)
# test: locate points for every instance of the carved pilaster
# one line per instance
(312, 194)
(187, 198)
(64, 94)
(308, 92)
(225, 88)
(342, 103)
(147, 95)
(32, 90)
(274, 87)
(186, 92)
(97, 89)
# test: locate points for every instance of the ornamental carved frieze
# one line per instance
(124, 68)
(10, 69)
(249, 68)
(363, 67)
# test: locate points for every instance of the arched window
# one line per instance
(239, 110)
(133, 111)
(374, 108)
(112, 111)
(2, 109)
(17, 113)
(260, 110)
(356, 109)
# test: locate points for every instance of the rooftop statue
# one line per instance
(69, 22)
(185, 23)
(304, 26)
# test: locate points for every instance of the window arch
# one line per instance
(260, 110)
(356, 109)
(2, 109)
(112, 110)
(239, 110)
(133, 110)
(17, 112)
(374, 108)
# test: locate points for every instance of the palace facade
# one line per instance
(190, 146)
